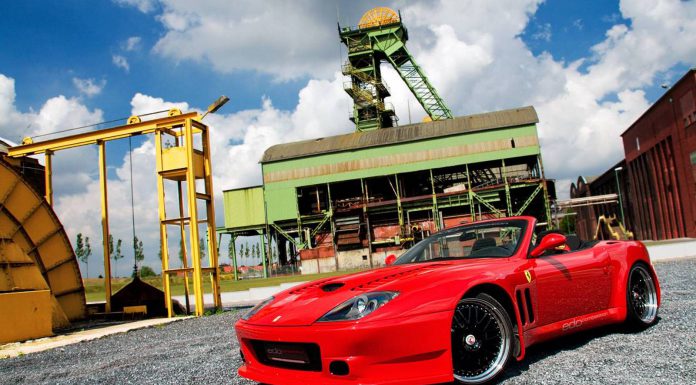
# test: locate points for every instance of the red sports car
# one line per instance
(455, 307)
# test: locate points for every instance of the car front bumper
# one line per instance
(397, 351)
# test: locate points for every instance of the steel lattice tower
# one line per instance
(380, 36)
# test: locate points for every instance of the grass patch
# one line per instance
(94, 287)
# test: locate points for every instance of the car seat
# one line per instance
(482, 244)
(573, 242)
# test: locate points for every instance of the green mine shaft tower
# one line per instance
(380, 36)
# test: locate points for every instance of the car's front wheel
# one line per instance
(482, 339)
(641, 297)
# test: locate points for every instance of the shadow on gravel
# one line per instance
(571, 342)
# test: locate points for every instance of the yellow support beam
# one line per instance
(105, 224)
(163, 230)
(180, 163)
(193, 214)
(48, 174)
(105, 135)
(210, 216)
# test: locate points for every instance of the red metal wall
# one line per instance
(661, 170)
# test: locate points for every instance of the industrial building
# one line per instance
(347, 201)
(657, 178)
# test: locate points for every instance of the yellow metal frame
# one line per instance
(197, 165)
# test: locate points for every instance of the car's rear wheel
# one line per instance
(641, 297)
(482, 339)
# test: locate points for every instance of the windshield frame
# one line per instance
(521, 223)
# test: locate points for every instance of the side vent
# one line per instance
(530, 311)
(520, 307)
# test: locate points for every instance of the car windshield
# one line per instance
(482, 240)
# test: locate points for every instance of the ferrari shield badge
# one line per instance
(528, 275)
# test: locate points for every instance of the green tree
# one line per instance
(138, 249)
(146, 271)
(116, 256)
(81, 251)
(110, 244)
(201, 247)
(88, 252)
(246, 251)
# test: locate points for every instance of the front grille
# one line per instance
(299, 356)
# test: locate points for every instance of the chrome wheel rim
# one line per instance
(480, 341)
(642, 295)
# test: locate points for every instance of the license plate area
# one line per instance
(300, 356)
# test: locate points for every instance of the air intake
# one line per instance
(329, 287)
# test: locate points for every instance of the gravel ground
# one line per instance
(204, 351)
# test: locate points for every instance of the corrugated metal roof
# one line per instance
(412, 132)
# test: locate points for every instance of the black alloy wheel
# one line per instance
(641, 297)
(482, 339)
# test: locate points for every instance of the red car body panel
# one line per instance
(408, 341)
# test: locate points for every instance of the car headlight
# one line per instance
(258, 307)
(359, 307)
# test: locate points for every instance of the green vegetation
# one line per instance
(146, 271)
(94, 287)
(82, 251)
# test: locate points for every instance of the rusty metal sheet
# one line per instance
(37, 254)
(412, 132)
(400, 159)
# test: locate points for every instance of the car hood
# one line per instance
(305, 304)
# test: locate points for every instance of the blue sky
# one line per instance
(58, 41)
(590, 68)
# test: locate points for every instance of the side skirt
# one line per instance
(573, 325)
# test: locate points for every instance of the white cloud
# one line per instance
(132, 43)
(121, 62)
(15, 124)
(543, 32)
(288, 40)
(145, 6)
(241, 138)
(89, 87)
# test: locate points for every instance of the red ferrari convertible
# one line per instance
(458, 306)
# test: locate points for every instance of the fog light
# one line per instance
(339, 368)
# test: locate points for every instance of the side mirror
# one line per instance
(550, 241)
(391, 258)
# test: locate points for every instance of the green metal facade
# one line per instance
(244, 208)
(281, 196)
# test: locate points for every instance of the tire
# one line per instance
(641, 297)
(482, 340)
